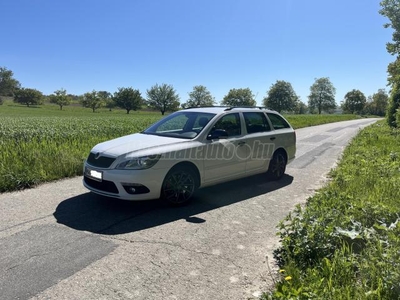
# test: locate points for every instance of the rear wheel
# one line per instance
(179, 185)
(277, 166)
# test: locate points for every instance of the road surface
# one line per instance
(58, 241)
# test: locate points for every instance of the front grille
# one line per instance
(100, 162)
(105, 186)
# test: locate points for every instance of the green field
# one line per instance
(40, 144)
(345, 243)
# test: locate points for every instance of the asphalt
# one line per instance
(58, 241)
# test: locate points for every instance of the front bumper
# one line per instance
(124, 184)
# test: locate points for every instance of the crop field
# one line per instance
(37, 146)
(40, 144)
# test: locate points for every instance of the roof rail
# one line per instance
(222, 106)
(257, 107)
(227, 107)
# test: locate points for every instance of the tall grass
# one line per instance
(345, 243)
(35, 149)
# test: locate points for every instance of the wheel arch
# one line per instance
(192, 166)
(283, 151)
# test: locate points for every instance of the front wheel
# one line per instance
(179, 185)
(277, 166)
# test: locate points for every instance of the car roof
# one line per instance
(222, 109)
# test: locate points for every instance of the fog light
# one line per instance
(135, 188)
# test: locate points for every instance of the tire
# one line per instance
(179, 185)
(277, 166)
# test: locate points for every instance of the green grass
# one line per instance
(344, 244)
(300, 121)
(40, 144)
(43, 143)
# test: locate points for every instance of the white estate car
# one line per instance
(190, 149)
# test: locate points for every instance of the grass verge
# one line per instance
(344, 244)
(300, 121)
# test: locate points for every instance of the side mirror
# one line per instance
(217, 134)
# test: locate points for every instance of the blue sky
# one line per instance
(85, 45)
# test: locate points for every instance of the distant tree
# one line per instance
(163, 98)
(239, 97)
(322, 95)
(199, 97)
(28, 97)
(110, 103)
(354, 102)
(60, 98)
(281, 96)
(107, 99)
(92, 100)
(301, 108)
(377, 103)
(128, 98)
(8, 85)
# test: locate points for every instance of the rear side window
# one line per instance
(277, 121)
(256, 122)
(229, 123)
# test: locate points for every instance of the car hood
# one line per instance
(132, 143)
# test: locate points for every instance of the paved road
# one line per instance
(58, 241)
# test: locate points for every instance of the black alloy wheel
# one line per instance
(179, 185)
(277, 166)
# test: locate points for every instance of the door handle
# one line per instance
(241, 143)
(272, 138)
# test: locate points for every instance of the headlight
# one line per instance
(139, 163)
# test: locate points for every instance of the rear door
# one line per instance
(225, 158)
(260, 139)
(284, 134)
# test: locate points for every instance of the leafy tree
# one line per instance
(377, 103)
(354, 102)
(390, 9)
(92, 100)
(8, 85)
(239, 97)
(281, 96)
(128, 98)
(163, 97)
(393, 107)
(394, 72)
(107, 98)
(28, 97)
(200, 96)
(60, 98)
(322, 95)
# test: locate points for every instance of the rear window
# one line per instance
(256, 122)
(277, 121)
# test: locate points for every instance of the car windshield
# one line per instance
(182, 124)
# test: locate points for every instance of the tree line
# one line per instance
(391, 10)
(280, 97)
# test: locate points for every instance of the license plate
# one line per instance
(96, 175)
